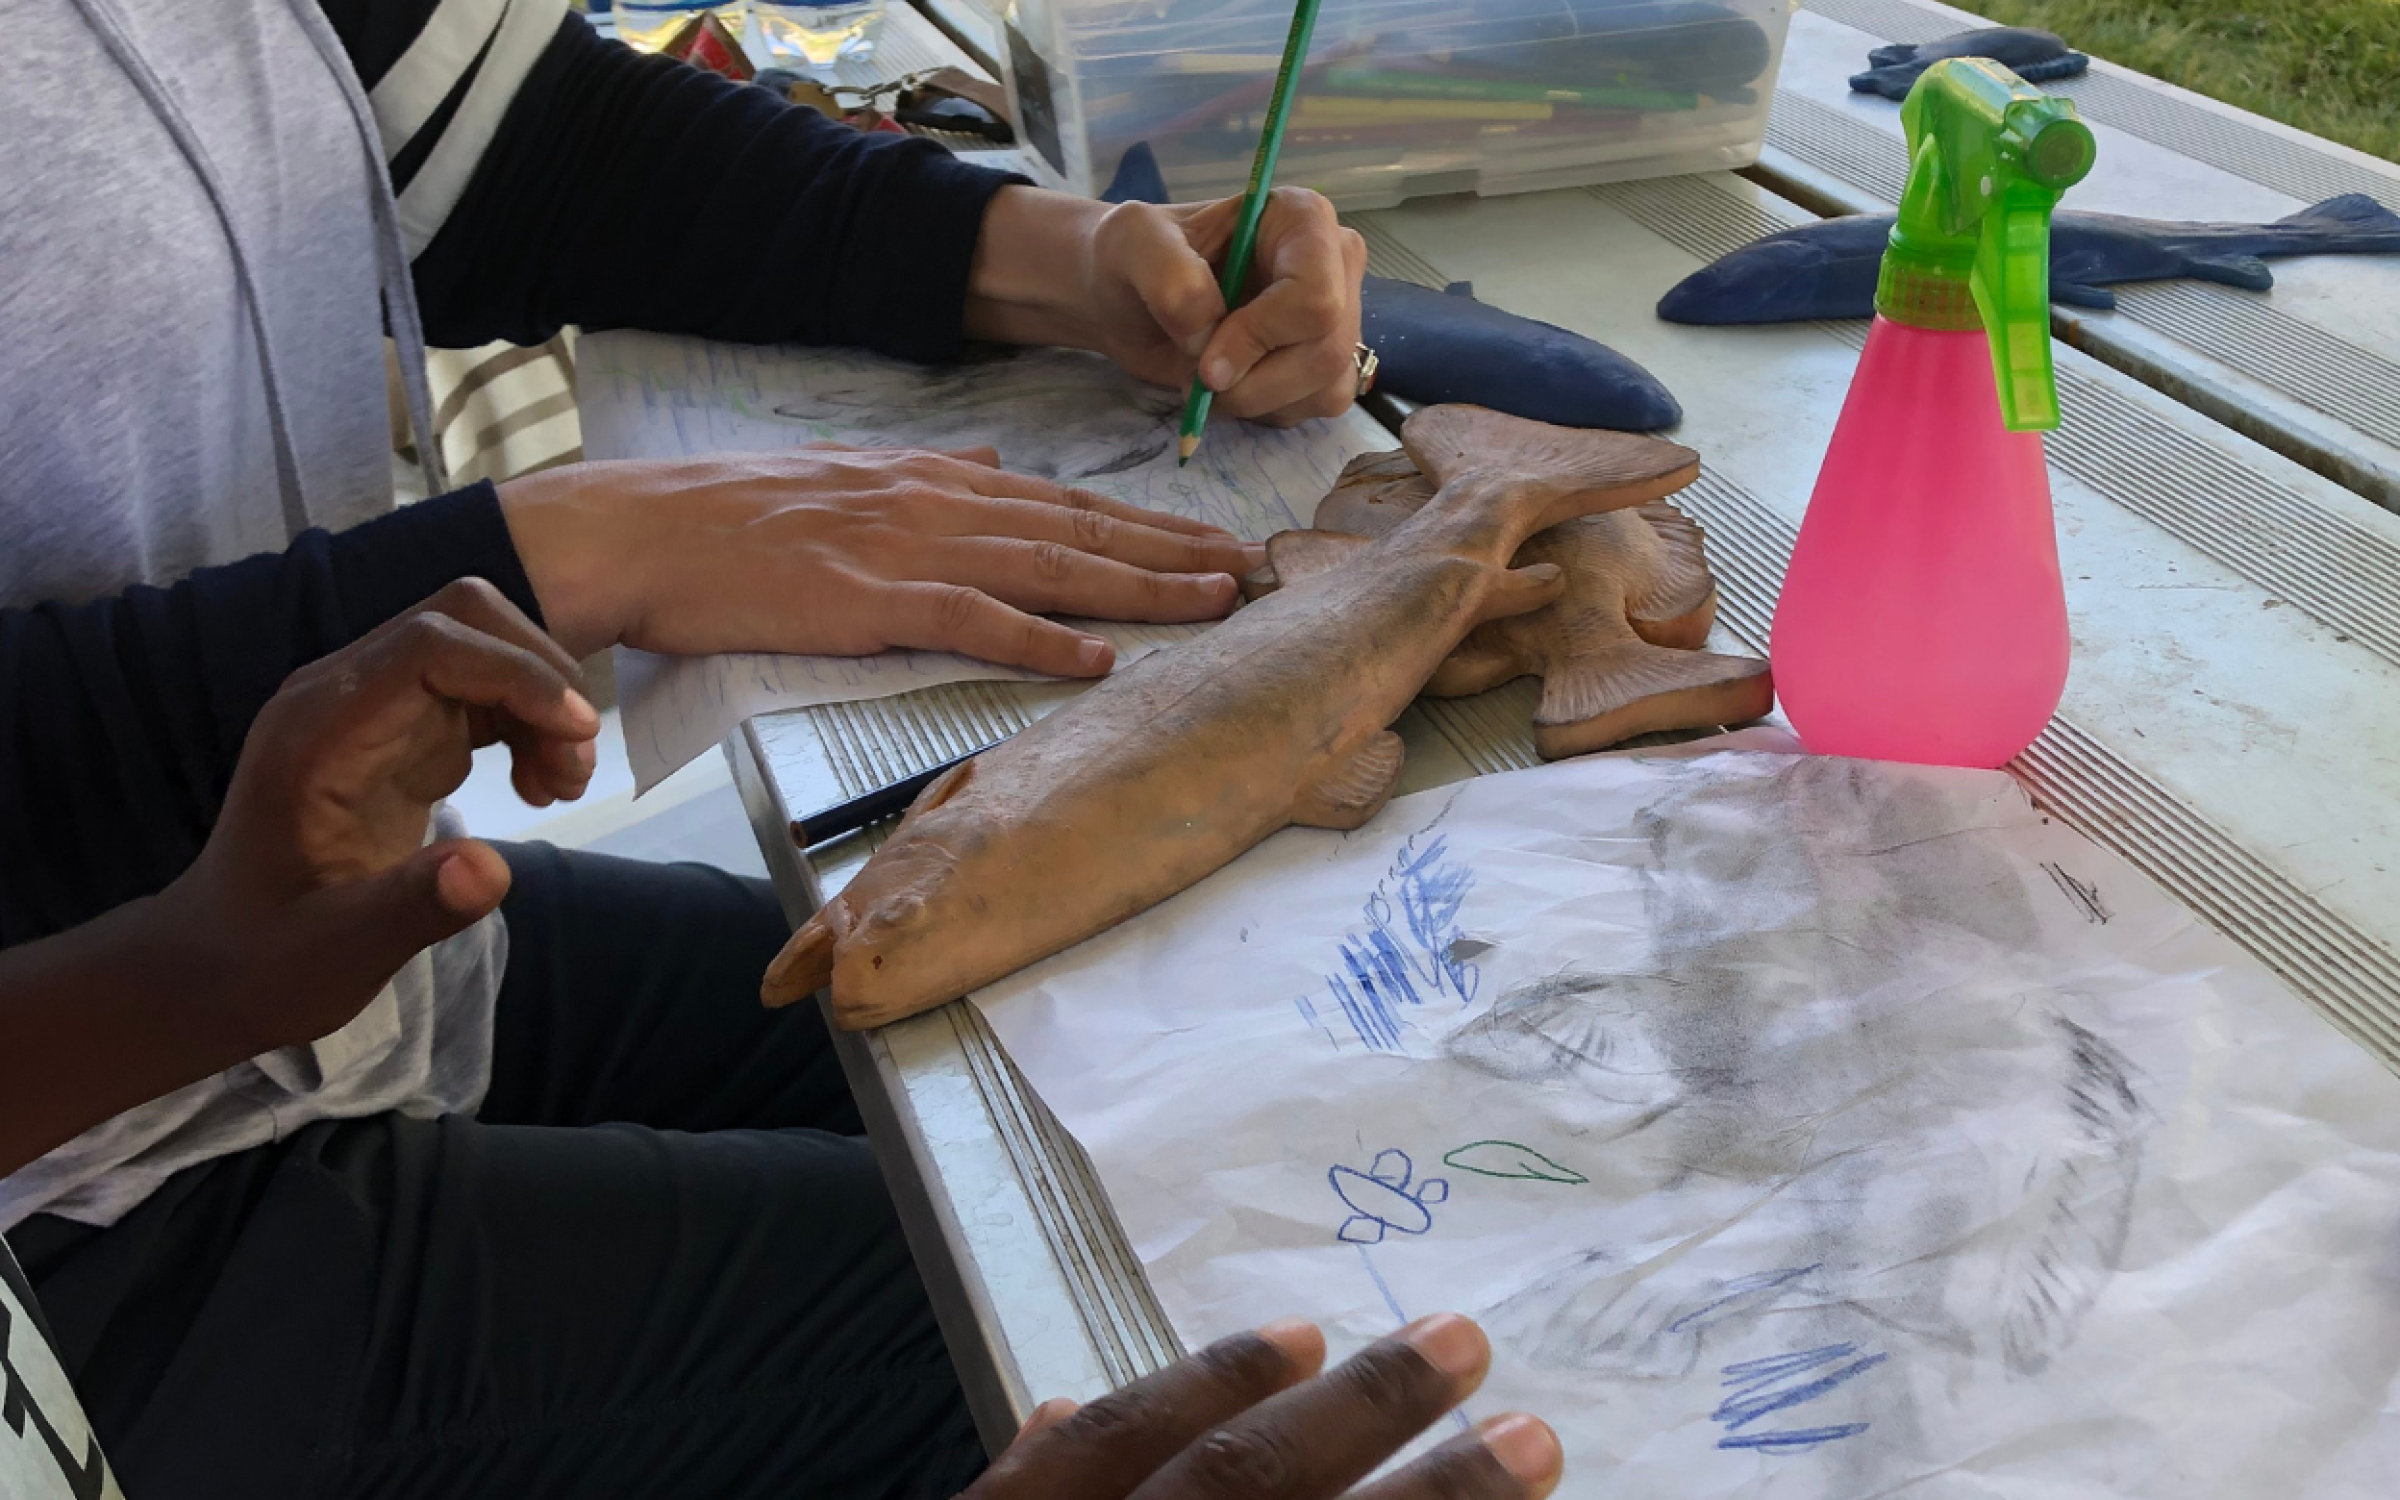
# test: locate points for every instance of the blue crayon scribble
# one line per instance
(1385, 1198)
(1796, 1440)
(1741, 1293)
(1759, 1388)
(1410, 951)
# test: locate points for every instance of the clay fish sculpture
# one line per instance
(1168, 769)
(1827, 269)
(1445, 346)
(2035, 56)
(1617, 654)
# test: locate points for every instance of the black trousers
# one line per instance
(660, 1262)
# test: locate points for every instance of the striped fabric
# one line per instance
(501, 410)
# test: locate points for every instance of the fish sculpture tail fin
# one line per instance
(1542, 474)
(2352, 212)
(804, 967)
(1639, 688)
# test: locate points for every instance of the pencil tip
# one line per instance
(1184, 449)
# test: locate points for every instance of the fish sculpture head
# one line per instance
(1822, 270)
(896, 923)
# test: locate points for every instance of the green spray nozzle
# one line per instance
(1989, 155)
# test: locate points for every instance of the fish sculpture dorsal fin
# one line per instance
(1561, 464)
(1354, 787)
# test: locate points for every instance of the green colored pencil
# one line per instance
(1254, 206)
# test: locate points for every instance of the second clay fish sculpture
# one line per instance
(1828, 269)
(1617, 653)
(1166, 770)
(2035, 56)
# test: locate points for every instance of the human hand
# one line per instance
(1250, 1418)
(846, 552)
(316, 884)
(1138, 282)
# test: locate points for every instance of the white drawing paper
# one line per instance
(1059, 414)
(1802, 1129)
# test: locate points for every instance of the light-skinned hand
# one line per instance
(1139, 283)
(846, 552)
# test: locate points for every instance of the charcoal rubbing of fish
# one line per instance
(2033, 55)
(1827, 269)
(1438, 347)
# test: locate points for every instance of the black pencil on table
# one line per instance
(868, 807)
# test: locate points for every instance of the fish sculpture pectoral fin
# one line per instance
(1639, 688)
(2052, 69)
(1521, 591)
(2245, 271)
(1295, 556)
(1355, 787)
(804, 967)
(1480, 664)
(1678, 603)
(2076, 294)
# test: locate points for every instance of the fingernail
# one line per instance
(1298, 1338)
(1217, 373)
(1254, 556)
(1525, 1446)
(1091, 653)
(1449, 1343)
(1287, 1331)
(1197, 342)
(580, 709)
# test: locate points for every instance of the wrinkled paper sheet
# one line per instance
(1797, 1127)
(1062, 415)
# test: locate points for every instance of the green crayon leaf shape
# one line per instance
(1509, 1159)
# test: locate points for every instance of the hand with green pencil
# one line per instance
(1139, 282)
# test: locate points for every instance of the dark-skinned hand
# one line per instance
(317, 883)
(1252, 1418)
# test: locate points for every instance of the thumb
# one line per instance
(1173, 279)
(368, 929)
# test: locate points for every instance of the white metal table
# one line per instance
(2229, 727)
(2310, 368)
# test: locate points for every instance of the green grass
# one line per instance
(2330, 67)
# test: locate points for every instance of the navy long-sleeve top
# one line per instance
(603, 188)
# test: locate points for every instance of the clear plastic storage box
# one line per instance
(1402, 98)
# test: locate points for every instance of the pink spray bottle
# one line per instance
(1923, 618)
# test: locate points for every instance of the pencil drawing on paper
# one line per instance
(1756, 1389)
(1408, 952)
(1061, 416)
(1511, 1159)
(1716, 1069)
(1797, 1128)
(1386, 1197)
